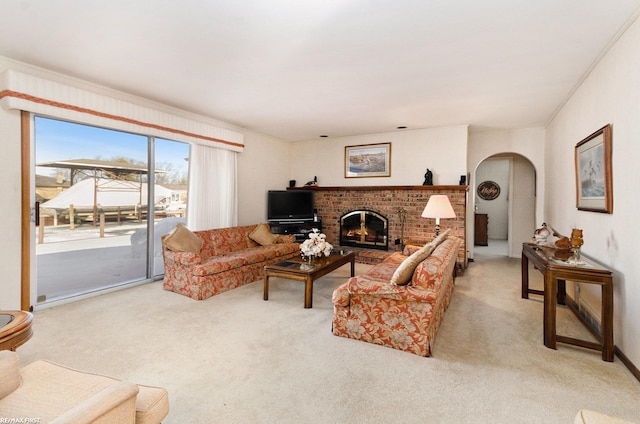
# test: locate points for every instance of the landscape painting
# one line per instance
(593, 172)
(367, 160)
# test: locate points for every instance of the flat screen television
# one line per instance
(290, 205)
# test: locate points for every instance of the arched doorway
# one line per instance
(504, 191)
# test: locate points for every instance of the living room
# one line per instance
(607, 93)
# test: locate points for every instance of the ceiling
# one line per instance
(298, 69)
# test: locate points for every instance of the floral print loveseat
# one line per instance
(228, 258)
(370, 308)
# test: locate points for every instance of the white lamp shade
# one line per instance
(437, 207)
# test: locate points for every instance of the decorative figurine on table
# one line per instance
(576, 242)
(541, 234)
(313, 182)
(428, 178)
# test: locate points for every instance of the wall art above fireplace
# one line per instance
(367, 160)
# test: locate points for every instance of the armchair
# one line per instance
(56, 394)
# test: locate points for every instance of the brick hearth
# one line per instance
(333, 202)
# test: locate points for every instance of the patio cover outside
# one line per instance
(109, 179)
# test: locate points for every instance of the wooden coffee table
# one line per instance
(15, 329)
(297, 269)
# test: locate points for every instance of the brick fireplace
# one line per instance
(389, 201)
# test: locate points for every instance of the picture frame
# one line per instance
(594, 190)
(367, 160)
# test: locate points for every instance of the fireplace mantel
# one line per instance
(381, 188)
(334, 201)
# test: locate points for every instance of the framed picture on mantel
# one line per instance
(367, 160)
(593, 172)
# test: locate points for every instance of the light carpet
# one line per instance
(235, 358)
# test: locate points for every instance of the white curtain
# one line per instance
(213, 199)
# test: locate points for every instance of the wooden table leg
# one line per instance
(562, 292)
(308, 292)
(525, 276)
(607, 322)
(266, 286)
(550, 293)
(353, 267)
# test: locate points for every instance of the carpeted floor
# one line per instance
(235, 358)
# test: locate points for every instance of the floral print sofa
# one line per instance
(370, 308)
(227, 258)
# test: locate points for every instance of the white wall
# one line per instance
(264, 165)
(443, 150)
(528, 142)
(610, 94)
(10, 224)
(522, 222)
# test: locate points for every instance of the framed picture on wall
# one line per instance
(593, 172)
(367, 160)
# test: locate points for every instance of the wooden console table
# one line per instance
(555, 273)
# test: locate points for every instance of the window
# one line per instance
(96, 209)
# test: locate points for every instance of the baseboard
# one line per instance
(590, 322)
(627, 363)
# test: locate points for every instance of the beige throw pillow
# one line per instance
(262, 235)
(183, 240)
(404, 272)
(436, 241)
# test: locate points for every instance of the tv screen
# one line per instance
(290, 205)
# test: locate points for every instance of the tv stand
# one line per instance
(300, 229)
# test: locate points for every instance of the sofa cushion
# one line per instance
(262, 235)
(183, 240)
(231, 239)
(402, 275)
(9, 372)
(218, 264)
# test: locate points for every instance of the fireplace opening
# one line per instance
(364, 228)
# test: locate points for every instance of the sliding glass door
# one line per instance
(98, 208)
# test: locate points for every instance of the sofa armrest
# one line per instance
(362, 286)
(9, 372)
(182, 258)
(113, 404)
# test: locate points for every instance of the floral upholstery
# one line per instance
(369, 308)
(228, 259)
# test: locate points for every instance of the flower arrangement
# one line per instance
(315, 245)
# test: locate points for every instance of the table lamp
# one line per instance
(438, 207)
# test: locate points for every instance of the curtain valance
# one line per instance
(42, 96)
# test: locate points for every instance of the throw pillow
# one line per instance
(403, 274)
(10, 372)
(436, 241)
(183, 240)
(262, 235)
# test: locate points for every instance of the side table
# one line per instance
(15, 329)
(555, 273)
